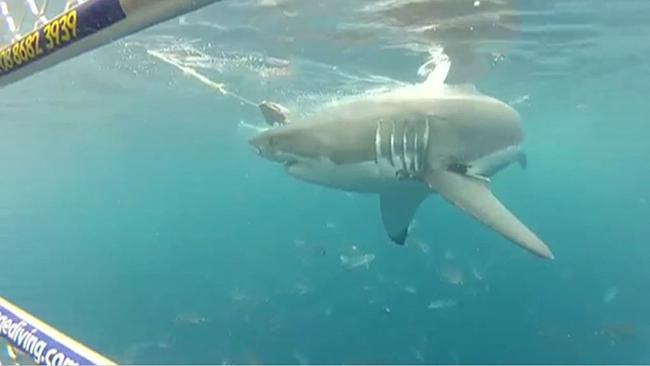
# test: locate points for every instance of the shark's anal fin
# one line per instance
(474, 197)
(397, 210)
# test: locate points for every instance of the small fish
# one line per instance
(351, 262)
(441, 304)
(238, 295)
(478, 275)
(302, 360)
(610, 295)
(449, 255)
(302, 289)
(410, 290)
(417, 354)
(328, 311)
(424, 247)
(453, 275)
(617, 333)
(189, 318)
(520, 100)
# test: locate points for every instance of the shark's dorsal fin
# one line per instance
(474, 197)
(397, 210)
(436, 81)
(438, 75)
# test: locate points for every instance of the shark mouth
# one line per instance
(402, 146)
(289, 163)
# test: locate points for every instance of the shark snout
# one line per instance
(265, 146)
(257, 144)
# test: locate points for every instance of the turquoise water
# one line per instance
(135, 217)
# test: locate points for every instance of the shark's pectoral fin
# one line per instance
(473, 196)
(397, 210)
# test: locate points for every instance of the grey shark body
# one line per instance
(405, 145)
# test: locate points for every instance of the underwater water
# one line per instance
(135, 216)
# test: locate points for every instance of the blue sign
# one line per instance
(62, 31)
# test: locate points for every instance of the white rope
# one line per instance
(219, 87)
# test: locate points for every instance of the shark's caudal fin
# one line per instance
(397, 210)
(473, 196)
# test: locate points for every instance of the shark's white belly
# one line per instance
(377, 177)
(365, 177)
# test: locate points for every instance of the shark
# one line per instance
(404, 145)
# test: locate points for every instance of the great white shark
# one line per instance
(405, 144)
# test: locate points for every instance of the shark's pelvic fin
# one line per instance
(397, 210)
(523, 160)
(473, 196)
